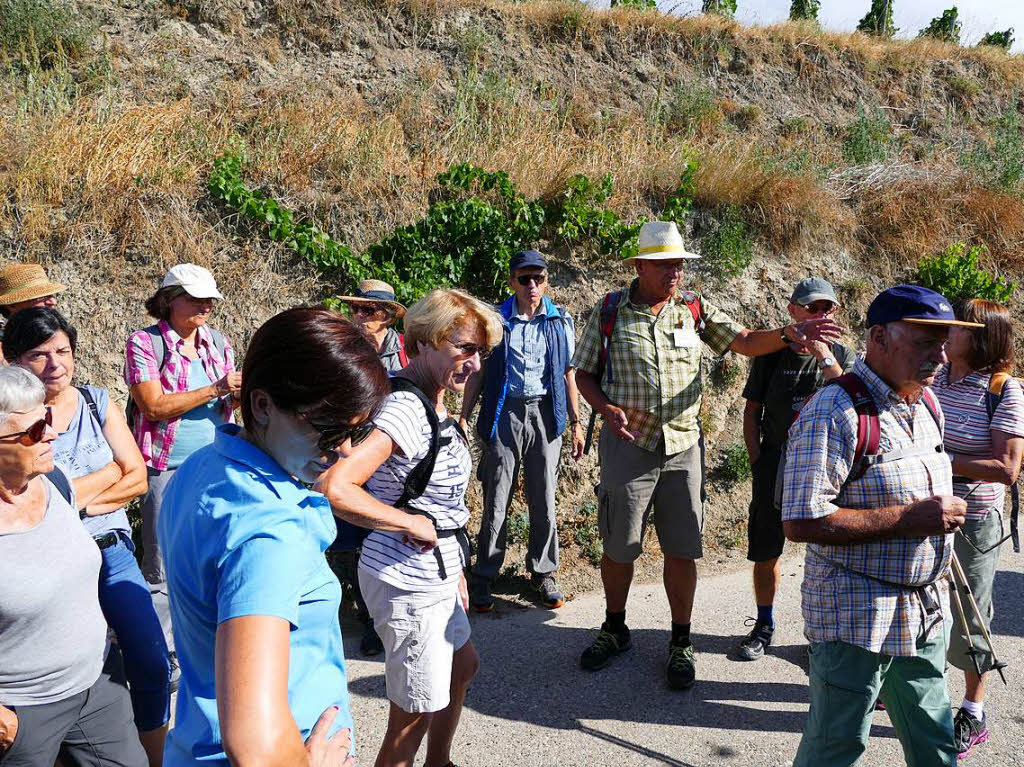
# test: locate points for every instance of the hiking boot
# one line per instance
(968, 732)
(547, 587)
(681, 671)
(370, 644)
(175, 673)
(754, 644)
(480, 598)
(607, 645)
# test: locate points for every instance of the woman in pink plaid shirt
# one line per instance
(183, 383)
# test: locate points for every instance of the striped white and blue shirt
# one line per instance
(386, 555)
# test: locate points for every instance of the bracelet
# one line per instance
(785, 339)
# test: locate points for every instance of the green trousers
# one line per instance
(846, 680)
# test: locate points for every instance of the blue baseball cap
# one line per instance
(914, 304)
(526, 258)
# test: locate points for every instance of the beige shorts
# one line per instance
(638, 486)
(421, 630)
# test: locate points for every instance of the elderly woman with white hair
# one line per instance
(54, 696)
(412, 577)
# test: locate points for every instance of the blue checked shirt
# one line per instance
(843, 596)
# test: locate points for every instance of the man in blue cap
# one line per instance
(868, 487)
(778, 386)
(529, 400)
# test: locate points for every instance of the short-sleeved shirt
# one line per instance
(782, 382)
(390, 351)
(844, 596)
(653, 366)
(155, 438)
(969, 431)
(82, 449)
(403, 418)
(528, 354)
(241, 537)
(52, 631)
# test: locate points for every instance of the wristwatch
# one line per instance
(826, 362)
(785, 339)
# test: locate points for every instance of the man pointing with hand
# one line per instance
(868, 487)
(638, 364)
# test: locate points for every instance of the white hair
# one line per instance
(20, 391)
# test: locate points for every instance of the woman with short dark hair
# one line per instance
(182, 381)
(95, 449)
(984, 436)
(54, 696)
(254, 604)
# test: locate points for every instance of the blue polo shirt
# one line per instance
(242, 537)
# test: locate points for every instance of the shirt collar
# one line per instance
(202, 334)
(509, 311)
(228, 442)
(879, 389)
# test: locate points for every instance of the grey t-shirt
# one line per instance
(783, 381)
(52, 632)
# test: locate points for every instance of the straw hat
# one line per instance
(660, 241)
(24, 282)
(375, 292)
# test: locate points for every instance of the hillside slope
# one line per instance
(822, 153)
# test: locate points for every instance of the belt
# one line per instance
(530, 400)
(460, 535)
(107, 540)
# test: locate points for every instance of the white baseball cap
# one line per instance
(196, 281)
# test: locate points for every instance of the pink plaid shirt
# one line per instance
(155, 438)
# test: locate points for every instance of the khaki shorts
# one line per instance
(421, 630)
(638, 485)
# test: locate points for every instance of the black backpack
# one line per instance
(351, 537)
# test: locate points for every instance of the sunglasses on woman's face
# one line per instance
(465, 351)
(34, 434)
(366, 308)
(333, 436)
(526, 279)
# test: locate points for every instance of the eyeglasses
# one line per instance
(33, 433)
(526, 279)
(468, 350)
(332, 436)
(366, 308)
(820, 307)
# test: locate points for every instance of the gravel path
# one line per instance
(532, 705)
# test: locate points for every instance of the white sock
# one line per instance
(977, 710)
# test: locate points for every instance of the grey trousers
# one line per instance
(152, 559)
(94, 728)
(524, 440)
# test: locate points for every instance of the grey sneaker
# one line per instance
(754, 644)
(550, 595)
(968, 732)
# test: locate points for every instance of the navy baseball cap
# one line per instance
(914, 304)
(526, 258)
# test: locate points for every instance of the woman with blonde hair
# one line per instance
(411, 567)
(984, 437)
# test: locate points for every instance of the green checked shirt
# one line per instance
(653, 366)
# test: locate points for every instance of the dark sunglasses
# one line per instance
(332, 436)
(468, 350)
(820, 307)
(526, 279)
(35, 432)
(366, 308)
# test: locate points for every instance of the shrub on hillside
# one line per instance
(804, 10)
(643, 5)
(945, 27)
(867, 138)
(725, 8)
(735, 466)
(957, 275)
(729, 249)
(999, 159)
(878, 21)
(52, 27)
(999, 39)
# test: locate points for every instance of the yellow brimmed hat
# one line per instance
(24, 282)
(660, 241)
(375, 292)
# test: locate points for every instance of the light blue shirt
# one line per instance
(197, 426)
(242, 537)
(527, 354)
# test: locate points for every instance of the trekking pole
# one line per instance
(590, 432)
(971, 652)
(997, 665)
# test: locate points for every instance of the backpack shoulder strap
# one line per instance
(869, 429)
(220, 343)
(692, 301)
(932, 406)
(609, 313)
(159, 347)
(401, 350)
(419, 477)
(90, 403)
(994, 395)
